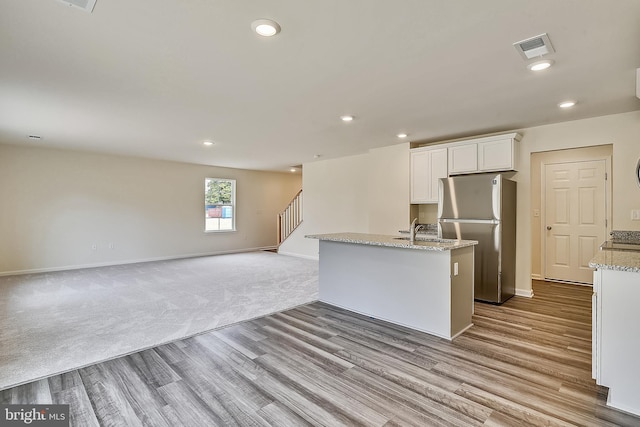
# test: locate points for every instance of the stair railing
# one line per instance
(290, 218)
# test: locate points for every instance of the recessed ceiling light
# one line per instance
(265, 27)
(346, 118)
(402, 135)
(567, 104)
(317, 156)
(540, 65)
(292, 170)
(35, 137)
(208, 143)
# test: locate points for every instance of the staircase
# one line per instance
(290, 218)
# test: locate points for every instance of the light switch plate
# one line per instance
(635, 214)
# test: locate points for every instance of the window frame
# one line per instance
(232, 205)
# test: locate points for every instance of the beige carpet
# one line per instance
(55, 322)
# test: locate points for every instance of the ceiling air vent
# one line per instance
(86, 5)
(534, 47)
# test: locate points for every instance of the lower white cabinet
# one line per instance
(408, 287)
(616, 341)
(427, 166)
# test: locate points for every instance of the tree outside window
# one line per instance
(219, 202)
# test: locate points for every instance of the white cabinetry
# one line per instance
(463, 158)
(489, 154)
(408, 287)
(427, 166)
(616, 344)
(496, 155)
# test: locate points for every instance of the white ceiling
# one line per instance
(154, 78)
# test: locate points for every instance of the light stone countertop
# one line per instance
(420, 243)
(616, 260)
(625, 235)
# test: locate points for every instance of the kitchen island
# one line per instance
(425, 285)
(615, 339)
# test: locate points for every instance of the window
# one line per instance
(219, 204)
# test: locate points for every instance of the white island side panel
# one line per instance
(407, 287)
(619, 344)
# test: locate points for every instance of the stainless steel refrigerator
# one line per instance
(482, 207)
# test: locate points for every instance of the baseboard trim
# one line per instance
(567, 282)
(134, 261)
(536, 277)
(527, 293)
(293, 254)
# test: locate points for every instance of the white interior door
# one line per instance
(575, 218)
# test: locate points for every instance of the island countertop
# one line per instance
(420, 243)
(616, 260)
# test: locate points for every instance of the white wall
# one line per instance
(334, 200)
(366, 193)
(388, 189)
(57, 204)
(621, 130)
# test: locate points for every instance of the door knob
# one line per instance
(548, 227)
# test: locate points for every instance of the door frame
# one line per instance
(538, 162)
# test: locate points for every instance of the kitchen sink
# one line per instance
(420, 239)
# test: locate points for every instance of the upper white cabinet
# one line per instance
(489, 154)
(427, 166)
(463, 158)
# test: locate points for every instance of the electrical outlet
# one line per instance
(536, 213)
(94, 247)
(111, 245)
(635, 214)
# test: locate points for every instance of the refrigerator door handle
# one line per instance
(471, 221)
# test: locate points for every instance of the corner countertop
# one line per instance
(616, 260)
(420, 243)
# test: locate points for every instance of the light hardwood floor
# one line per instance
(527, 362)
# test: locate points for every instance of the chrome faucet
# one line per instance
(413, 229)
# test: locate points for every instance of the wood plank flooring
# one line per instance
(527, 362)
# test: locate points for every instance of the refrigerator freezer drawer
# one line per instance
(488, 285)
